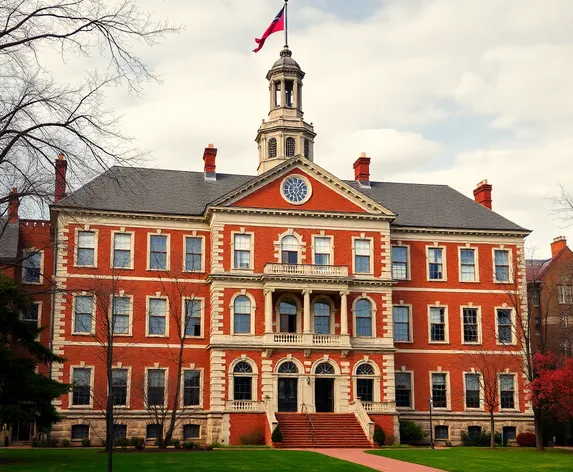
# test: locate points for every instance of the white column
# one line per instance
(268, 310)
(283, 96)
(343, 312)
(306, 311)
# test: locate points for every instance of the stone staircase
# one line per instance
(330, 430)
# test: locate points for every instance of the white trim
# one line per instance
(444, 264)
(232, 313)
(476, 264)
(412, 406)
(251, 267)
(511, 326)
(480, 390)
(128, 394)
(446, 324)
(515, 392)
(374, 310)
(299, 176)
(330, 244)
(201, 371)
(301, 257)
(408, 260)
(130, 315)
(371, 269)
(201, 300)
(479, 325)
(299, 313)
(410, 322)
(167, 237)
(333, 312)
(166, 333)
(254, 375)
(501, 247)
(77, 247)
(94, 304)
(71, 393)
(448, 390)
(165, 386)
(203, 255)
(25, 254)
(376, 379)
(131, 250)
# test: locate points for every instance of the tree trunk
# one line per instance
(175, 408)
(492, 429)
(538, 424)
(109, 405)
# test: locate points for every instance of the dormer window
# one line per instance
(272, 147)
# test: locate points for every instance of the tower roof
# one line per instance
(285, 63)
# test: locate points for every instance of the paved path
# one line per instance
(375, 462)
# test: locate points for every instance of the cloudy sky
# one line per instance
(440, 91)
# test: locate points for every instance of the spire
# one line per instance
(285, 134)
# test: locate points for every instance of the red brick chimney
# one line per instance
(557, 245)
(482, 194)
(362, 170)
(13, 205)
(209, 157)
(61, 168)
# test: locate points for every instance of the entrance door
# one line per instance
(288, 394)
(21, 431)
(324, 395)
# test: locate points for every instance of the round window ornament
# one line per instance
(296, 189)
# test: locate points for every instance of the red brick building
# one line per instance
(295, 291)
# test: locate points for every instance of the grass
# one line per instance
(473, 459)
(92, 460)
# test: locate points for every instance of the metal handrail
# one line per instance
(304, 409)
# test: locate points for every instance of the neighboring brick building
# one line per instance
(550, 299)
(304, 292)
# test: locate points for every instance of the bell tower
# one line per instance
(284, 134)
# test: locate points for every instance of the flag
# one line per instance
(278, 24)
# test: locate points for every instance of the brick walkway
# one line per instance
(375, 462)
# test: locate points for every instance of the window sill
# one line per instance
(81, 407)
(83, 334)
(122, 335)
(77, 266)
(157, 336)
(403, 342)
(469, 281)
(158, 270)
(439, 342)
(473, 343)
(436, 280)
(32, 283)
(503, 282)
(246, 271)
(121, 268)
(405, 408)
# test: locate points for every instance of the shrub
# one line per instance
(526, 439)
(209, 447)
(45, 443)
(86, 442)
(65, 443)
(253, 438)
(191, 445)
(135, 441)
(411, 433)
(277, 435)
(390, 439)
(176, 443)
(379, 436)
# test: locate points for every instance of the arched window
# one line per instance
(306, 148)
(290, 144)
(242, 314)
(365, 385)
(243, 381)
(288, 368)
(272, 147)
(324, 368)
(287, 315)
(289, 250)
(321, 318)
(363, 311)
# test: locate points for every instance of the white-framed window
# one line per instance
(157, 316)
(400, 266)
(121, 315)
(84, 306)
(501, 260)
(441, 432)
(472, 390)
(404, 390)
(362, 256)
(193, 321)
(365, 382)
(122, 249)
(32, 315)
(241, 251)
(119, 386)
(363, 314)
(243, 381)
(156, 387)
(440, 389)
(471, 320)
(565, 294)
(86, 249)
(507, 391)
(322, 250)
(322, 313)
(504, 322)
(436, 263)
(191, 387)
(158, 252)
(32, 267)
(289, 249)
(468, 265)
(288, 309)
(242, 315)
(80, 431)
(194, 253)
(438, 324)
(81, 386)
(402, 323)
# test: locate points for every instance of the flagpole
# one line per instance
(286, 24)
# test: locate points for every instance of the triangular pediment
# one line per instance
(324, 192)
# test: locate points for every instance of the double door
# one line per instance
(288, 394)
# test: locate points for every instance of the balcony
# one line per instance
(379, 407)
(309, 339)
(244, 405)
(272, 268)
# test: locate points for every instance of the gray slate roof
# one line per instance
(143, 190)
(9, 233)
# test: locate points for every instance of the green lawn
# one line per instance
(91, 460)
(462, 459)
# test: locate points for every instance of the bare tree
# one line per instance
(562, 206)
(41, 117)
